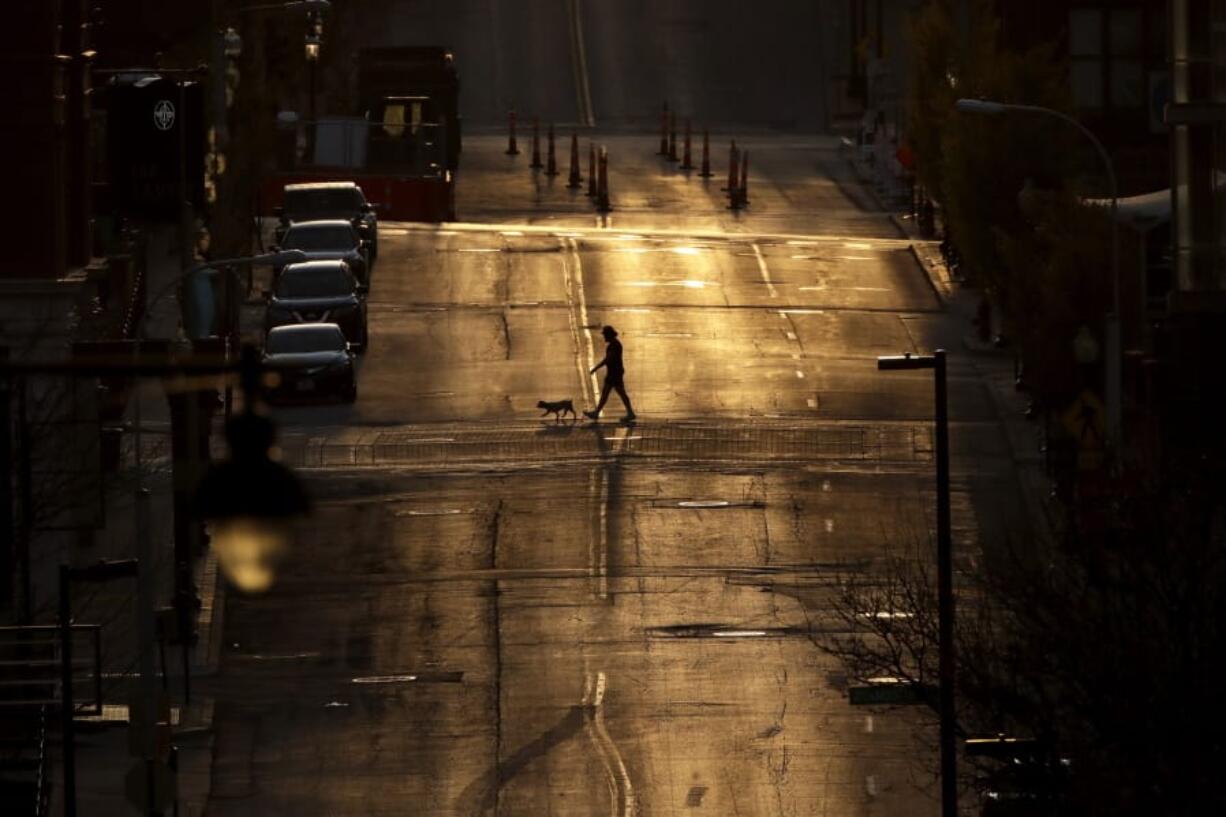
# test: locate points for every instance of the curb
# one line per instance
(929, 275)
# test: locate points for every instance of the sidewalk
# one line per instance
(103, 760)
(994, 366)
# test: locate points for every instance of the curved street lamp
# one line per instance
(1115, 352)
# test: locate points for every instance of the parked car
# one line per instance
(327, 201)
(318, 292)
(333, 240)
(311, 360)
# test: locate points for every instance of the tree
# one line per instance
(1103, 644)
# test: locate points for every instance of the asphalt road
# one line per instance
(718, 61)
(490, 613)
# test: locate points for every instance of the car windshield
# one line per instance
(305, 341)
(314, 282)
(346, 200)
(313, 238)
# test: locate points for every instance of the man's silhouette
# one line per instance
(614, 372)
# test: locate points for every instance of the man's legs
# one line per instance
(621, 392)
(604, 398)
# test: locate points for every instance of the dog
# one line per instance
(557, 408)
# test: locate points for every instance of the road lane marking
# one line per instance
(812, 401)
(578, 55)
(868, 724)
(594, 692)
(384, 679)
(800, 375)
(764, 270)
(572, 275)
(602, 224)
(598, 539)
(590, 702)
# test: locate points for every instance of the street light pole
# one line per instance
(1114, 341)
(945, 572)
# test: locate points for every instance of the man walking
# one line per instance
(614, 372)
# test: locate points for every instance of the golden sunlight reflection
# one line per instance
(249, 551)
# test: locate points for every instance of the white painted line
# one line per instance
(764, 270)
(392, 231)
(791, 335)
(738, 633)
(868, 724)
(603, 223)
(829, 524)
(598, 539)
(812, 403)
(870, 785)
(572, 275)
(800, 375)
(621, 789)
(384, 679)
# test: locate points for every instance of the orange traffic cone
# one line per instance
(551, 168)
(536, 145)
(512, 145)
(575, 181)
(602, 192)
(742, 192)
(663, 151)
(733, 161)
(591, 169)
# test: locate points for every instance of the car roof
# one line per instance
(320, 186)
(307, 266)
(305, 329)
(329, 222)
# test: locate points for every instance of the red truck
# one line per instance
(401, 147)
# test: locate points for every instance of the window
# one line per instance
(1105, 58)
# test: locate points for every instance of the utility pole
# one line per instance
(945, 585)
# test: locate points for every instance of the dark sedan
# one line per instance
(311, 361)
(315, 201)
(318, 292)
(333, 240)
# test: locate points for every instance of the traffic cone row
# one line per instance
(668, 148)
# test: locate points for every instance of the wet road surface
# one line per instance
(490, 613)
